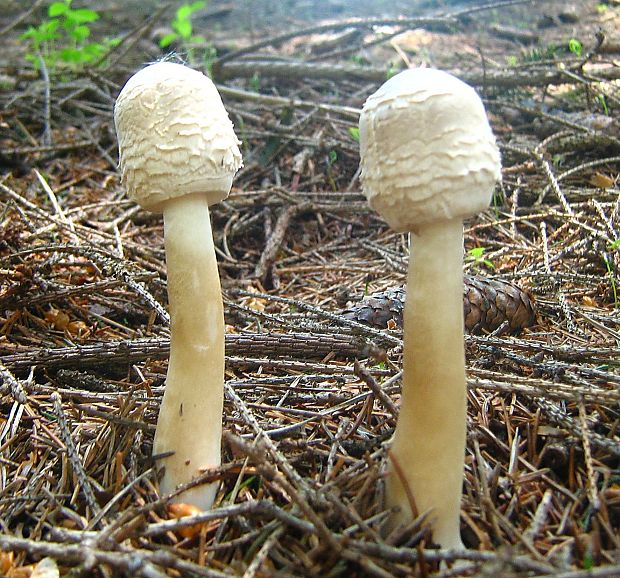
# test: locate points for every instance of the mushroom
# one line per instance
(429, 160)
(178, 155)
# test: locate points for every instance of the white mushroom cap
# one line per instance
(427, 150)
(174, 136)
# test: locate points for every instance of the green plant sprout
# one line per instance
(355, 133)
(575, 47)
(255, 82)
(612, 280)
(393, 70)
(182, 26)
(183, 31)
(540, 54)
(63, 38)
(603, 103)
(332, 157)
(209, 57)
(359, 60)
(610, 272)
(476, 257)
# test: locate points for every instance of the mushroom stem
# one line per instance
(429, 442)
(190, 418)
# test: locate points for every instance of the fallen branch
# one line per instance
(295, 345)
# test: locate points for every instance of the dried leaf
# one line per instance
(602, 181)
(58, 319)
(6, 562)
(588, 301)
(181, 511)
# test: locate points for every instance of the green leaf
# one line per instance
(58, 8)
(31, 33)
(71, 55)
(184, 28)
(93, 51)
(83, 15)
(391, 71)
(43, 33)
(355, 133)
(615, 244)
(476, 256)
(80, 33)
(49, 28)
(575, 46)
(255, 82)
(168, 39)
(185, 11)
(603, 102)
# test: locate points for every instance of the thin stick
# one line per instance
(74, 456)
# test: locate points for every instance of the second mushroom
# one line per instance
(178, 155)
(429, 160)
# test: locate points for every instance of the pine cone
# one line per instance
(487, 304)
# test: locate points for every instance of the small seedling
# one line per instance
(63, 38)
(332, 157)
(476, 257)
(208, 58)
(182, 26)
(255, 82)
(183, 33)
(539, 54)
(603, 103)
(575, 47)
(355, 133)
(610, 272)
(359, 60)
(558, 160)
(393, 70)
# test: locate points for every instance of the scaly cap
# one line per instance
(174, 136)
(427, 150)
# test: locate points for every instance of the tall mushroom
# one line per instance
(178, 155)
(429, 160)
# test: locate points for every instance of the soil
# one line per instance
(312, 396)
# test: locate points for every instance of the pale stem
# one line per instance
(190, 418)
(429, 442)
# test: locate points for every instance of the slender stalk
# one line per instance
(190, 418)
(429, 441)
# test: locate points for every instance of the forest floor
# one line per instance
(310, 394)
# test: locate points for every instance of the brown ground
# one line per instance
(83, 349)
